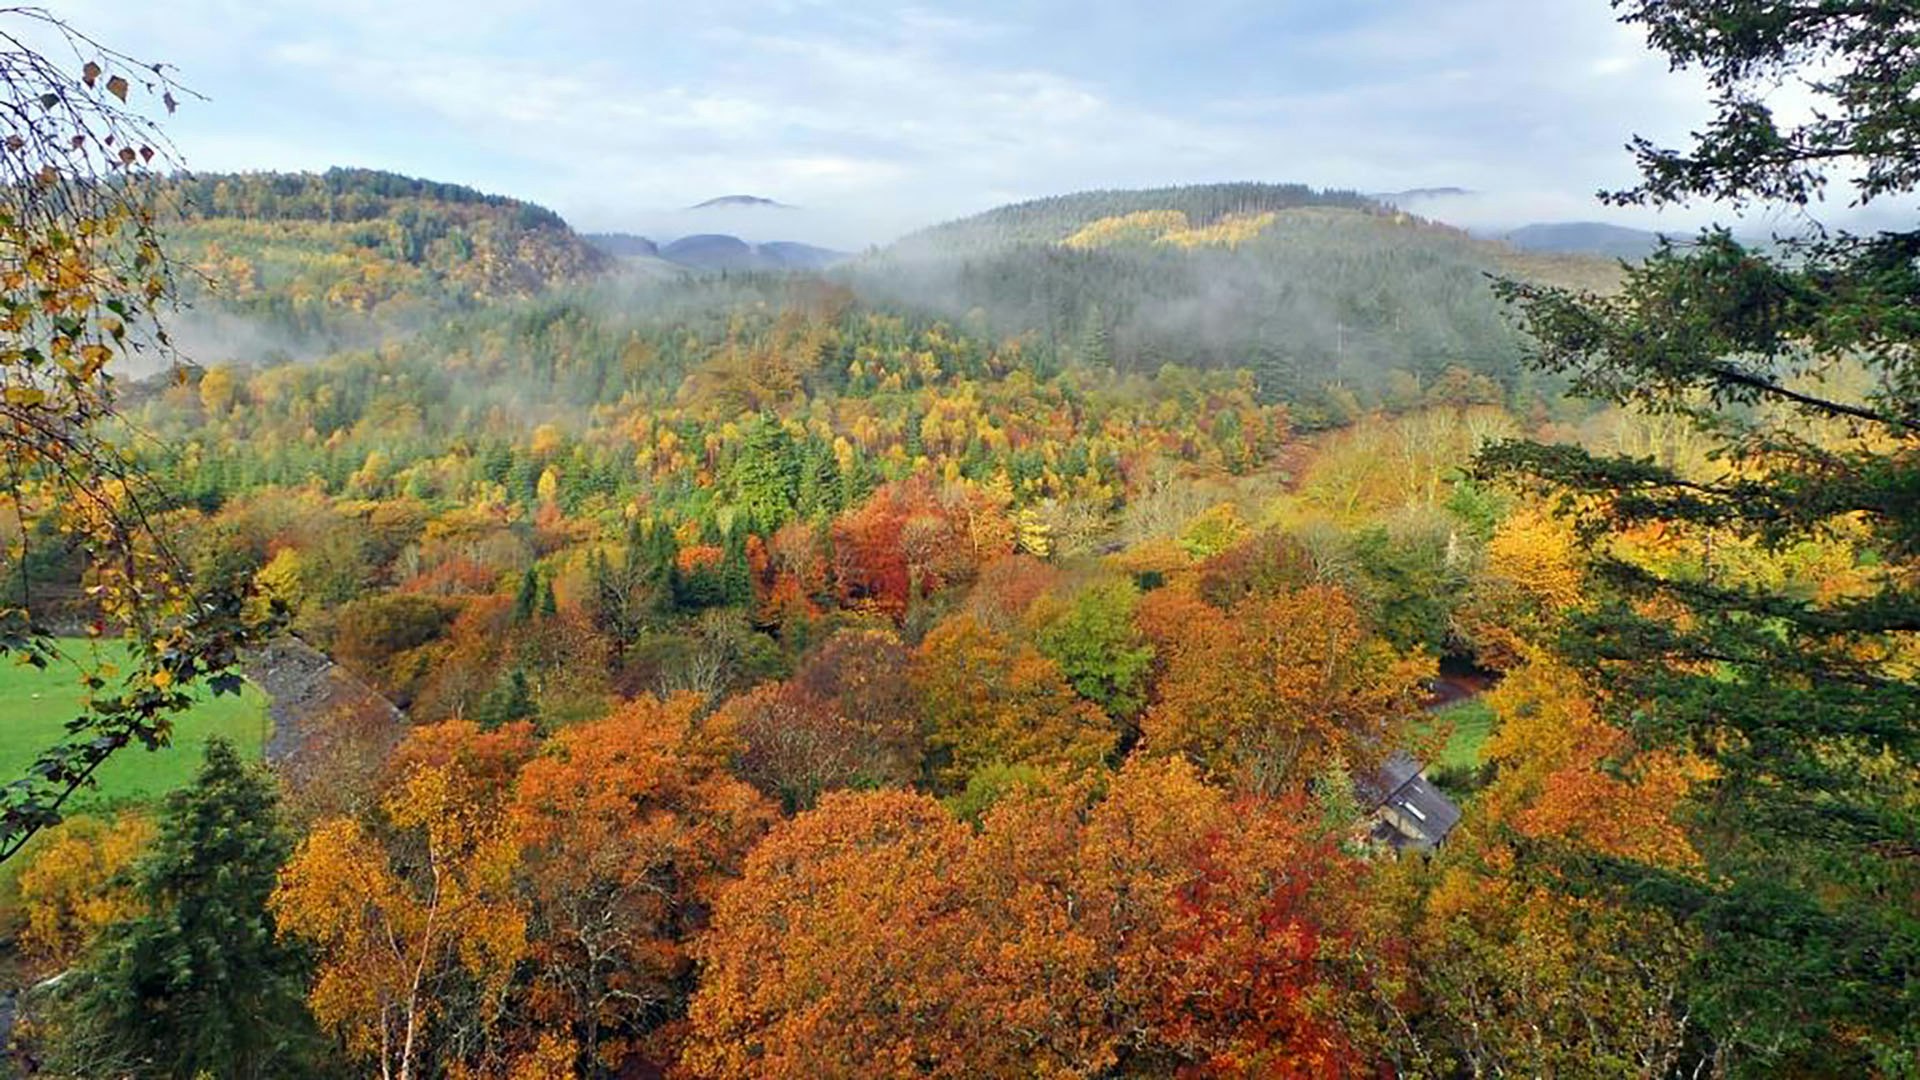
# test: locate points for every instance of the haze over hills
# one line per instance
(1585, 238)
(1312, 291)
(1307, 289)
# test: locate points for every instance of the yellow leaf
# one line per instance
(117, 86)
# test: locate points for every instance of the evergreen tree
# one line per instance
(510, 700)
(736, 574)
(200, 985)
(1799, 368)
(527, 600)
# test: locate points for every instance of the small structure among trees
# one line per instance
(1407, 810)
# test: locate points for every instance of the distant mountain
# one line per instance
(1402, 198)
(623, 245)
(739, 200)
(1585, 238)
(718, 251)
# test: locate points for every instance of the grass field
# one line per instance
(1472, 722)
(35, 705)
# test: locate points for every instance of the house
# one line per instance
(1407, 810)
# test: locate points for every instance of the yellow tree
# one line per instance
(394, 922)
(989, 699)
(1532, 578)
(75, 884)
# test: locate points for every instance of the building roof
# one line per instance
(1422, 815)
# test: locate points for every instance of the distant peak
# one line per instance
(738, 200)
(1394, 198)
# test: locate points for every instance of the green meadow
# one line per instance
(36, 704)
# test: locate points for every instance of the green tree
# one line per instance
(764, 479)
(200, 985)
(526, 602)
(1798, 367)
(1099, 650)
(510, 699)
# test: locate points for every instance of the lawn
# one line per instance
(35, 705)
(1472, 722)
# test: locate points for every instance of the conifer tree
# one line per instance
(527, 601)
(200, 985)
(1798, 366)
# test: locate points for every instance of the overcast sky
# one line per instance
(878, 118)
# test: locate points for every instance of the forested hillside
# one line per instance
(316, 261)
(1325, 296)
(1207, 632)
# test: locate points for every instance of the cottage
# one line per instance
(1407, 810)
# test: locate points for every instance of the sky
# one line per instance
(875, 119)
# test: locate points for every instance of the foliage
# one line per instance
(1266, 693)
(396, 930)
(82, 283)
(876, 935)
(1099, 650)
(629, 826)
(1795, 372)
(197, 982)
(991, 700)
(75, 884)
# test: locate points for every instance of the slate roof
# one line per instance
(1423, 814)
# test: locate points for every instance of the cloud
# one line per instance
(880, 118)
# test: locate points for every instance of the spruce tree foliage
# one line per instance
(526, 602)
(200, 985)
(1798, 367)
(764, 479)
(511, 699)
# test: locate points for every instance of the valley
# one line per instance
(1178, 630)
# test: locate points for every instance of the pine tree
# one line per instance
(527, 600)
(510, 700)
(200, 985)
(1799, 368)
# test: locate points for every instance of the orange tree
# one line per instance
(1167, 928)
(627, 826)
(1266, 694)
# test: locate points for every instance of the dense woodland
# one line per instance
(976, 659)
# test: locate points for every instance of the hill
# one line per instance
(1585, 238)
(321, 260)
(718, 251)
(623, 245)
(1324, 295)
(1054, 218)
